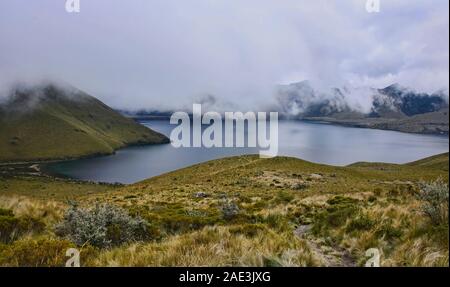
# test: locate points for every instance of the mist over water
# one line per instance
(320, 143)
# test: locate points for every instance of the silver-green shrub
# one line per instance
(435, 201)
(102, 226)
(229, 210)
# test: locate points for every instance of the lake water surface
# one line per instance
(321, 143)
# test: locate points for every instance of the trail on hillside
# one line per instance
(328, 256)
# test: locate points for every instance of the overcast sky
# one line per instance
(165, 53)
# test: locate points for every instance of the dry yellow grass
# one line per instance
(214, 246)
(344, 210)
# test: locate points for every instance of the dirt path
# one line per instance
(328, 256)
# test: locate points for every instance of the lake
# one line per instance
(321, 143)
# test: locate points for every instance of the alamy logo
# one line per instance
(73, 6)
(74, 260)
(374, 260)
(232, 127)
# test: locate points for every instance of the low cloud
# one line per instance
(166, 54)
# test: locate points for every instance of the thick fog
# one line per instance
(159, 54)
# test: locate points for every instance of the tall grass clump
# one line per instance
(102, 226)
(12, 227)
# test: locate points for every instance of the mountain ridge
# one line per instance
(49, 122)
(391, 108)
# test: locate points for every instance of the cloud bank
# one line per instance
(166, 53)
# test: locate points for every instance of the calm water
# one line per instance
(319, 143)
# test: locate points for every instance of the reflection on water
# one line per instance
(320, 143)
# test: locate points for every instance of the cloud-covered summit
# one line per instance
(164, 54)
(303, 100)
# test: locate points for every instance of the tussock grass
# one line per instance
(214, 246)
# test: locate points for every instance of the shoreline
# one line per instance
(357, 123)
(65, 159)
(369, 125)
(39, 168)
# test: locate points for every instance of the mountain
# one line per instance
(393, 107)
(302, 100)
(406, 102)
(47, 122)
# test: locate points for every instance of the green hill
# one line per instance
(439, 161)
(50, 122)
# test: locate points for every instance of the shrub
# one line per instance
(35, 253)
(12, 228)
(43, 252)
(102, 226)
(229, 210)
(435, 201)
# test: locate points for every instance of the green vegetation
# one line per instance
(49, 122)
(241, 211)
(12, 228)
(102, 226)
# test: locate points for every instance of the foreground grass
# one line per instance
(247, 211)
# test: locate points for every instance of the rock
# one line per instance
(201, 195)
(315, 176)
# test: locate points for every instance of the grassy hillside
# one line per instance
(247, 211)
(50, 122)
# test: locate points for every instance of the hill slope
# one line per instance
(246, 211)
(51, 122)
(439, 161)
(320, 215)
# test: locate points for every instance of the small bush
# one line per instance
(42, 252)
(102, 226)
(35, 253)
(435, 201)
(229, 210)
(12, 228)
